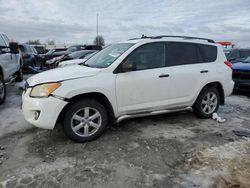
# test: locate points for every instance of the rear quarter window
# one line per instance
(208, 52)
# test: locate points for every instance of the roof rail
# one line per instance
(173, 36)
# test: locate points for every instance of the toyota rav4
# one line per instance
(134, 78)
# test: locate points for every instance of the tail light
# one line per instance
(229, 64)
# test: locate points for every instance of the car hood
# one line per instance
(241, 66)
(62, 74)
(71, 62)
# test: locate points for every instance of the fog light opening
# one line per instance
(37, 114)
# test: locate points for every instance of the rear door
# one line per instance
(189, 71)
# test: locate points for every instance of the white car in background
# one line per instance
(134, 78)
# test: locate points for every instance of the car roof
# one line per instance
(172, 38)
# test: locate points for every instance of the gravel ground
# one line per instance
(171, 150)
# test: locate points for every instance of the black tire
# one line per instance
(2, 91)
(19, 75)
(77, 107)
(198, 106)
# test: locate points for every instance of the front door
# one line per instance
(145, 88)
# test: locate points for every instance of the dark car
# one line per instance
(40, 49)
(75, 48)
(30, 56)
(241, 75)
(237, 54)
(74, 55)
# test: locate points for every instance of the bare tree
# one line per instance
(99, 40)
(50, 42)
(34, 42)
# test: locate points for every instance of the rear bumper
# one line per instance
(228, 88)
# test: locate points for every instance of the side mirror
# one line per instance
(13, 47)
(128, 66)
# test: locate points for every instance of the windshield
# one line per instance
(108, 55)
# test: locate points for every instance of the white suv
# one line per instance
(134, 78)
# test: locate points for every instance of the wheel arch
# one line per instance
(100, 97)
(220, 89)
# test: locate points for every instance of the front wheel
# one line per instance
(207, 103)
(85, 120)
(19, 75)
(2, 90)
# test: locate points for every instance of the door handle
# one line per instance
(163, 75)
(204, 71)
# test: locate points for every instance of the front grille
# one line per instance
(241, 75)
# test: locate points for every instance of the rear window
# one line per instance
(181, 53)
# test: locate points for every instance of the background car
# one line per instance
(75, 55)
(30, 56)
(52, 53)
(76, 61)
(40, 49)
(241, 75)
(237, 54)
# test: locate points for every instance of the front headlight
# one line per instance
(44, 90)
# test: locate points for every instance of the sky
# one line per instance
(74, 21)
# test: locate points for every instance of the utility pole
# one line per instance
(97, 35)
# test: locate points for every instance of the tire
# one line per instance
(79, 126)
(2, 90)
(19, 75)
(209, 97)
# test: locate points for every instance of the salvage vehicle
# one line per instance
(10, 64)
(134, 78)
(30, 56)
(76, 61)
(53, 53)
(74, 55)
(237, 54)
(241, 75)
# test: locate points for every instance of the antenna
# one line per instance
(97, 35)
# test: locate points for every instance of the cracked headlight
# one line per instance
(44, 90)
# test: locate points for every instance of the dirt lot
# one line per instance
(171, 150)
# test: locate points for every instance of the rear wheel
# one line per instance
(2, 90)
(207, 103)
(85, 120)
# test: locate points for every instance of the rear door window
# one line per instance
(180, 53)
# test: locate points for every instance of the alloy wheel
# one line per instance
(209, 103)
(86, 121)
